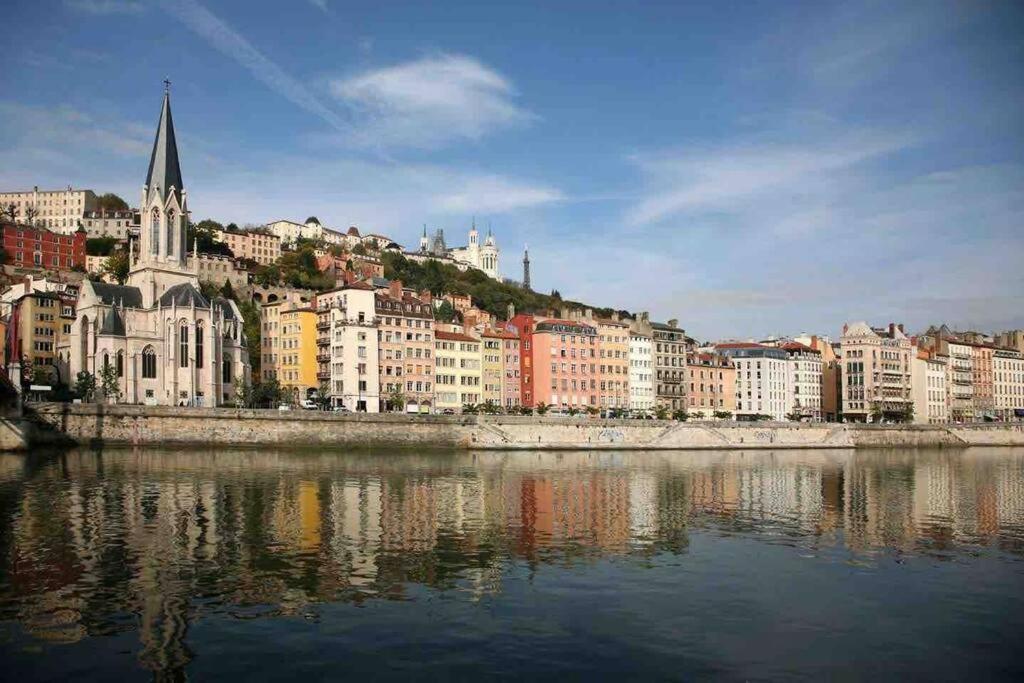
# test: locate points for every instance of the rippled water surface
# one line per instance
(178, 564)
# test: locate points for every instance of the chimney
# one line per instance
(469, 320)
(395, 289)
(814, 342)
(900, 327)
(892, 329)
(426, 296)
(674, 322)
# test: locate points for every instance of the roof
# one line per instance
(797, 346)
(499, 334)
(859, 329)
(454, 336)
(164, 171)
(184, 294)
(353, 231)
(664, 326)
(741, 345)
(113, 324)
(226, 305)
(122, 295)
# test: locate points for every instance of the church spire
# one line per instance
(164, 171)
(526, 267)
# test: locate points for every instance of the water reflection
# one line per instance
(99, 544)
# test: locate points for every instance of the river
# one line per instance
(188, 564)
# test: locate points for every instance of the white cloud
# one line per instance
(106, 6)
(225, 39)
(494, 194)
(429, 102)
(319, 4)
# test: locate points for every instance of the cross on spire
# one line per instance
(167, 85)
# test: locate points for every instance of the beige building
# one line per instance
(510, 361)
(928, 386)
(670, 376)
(1011, 339)
(217, 269)
(57, 210)
(762, 380)
(116, 224)
(261, 246)
(712, 384)
(960, 382)
(492, 368)
(348, 347)
(457, 374)
(613, 363)
(876, 373)
(1008, 384)
(406, 347)
(805, 381)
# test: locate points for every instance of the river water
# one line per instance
(175, 564)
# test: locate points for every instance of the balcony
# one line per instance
(323, 325)
(323, 376)
(323, 358)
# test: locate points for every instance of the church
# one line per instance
(167, 342)
(475, 255)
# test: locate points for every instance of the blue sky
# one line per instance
(750, 168)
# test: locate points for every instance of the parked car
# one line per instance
(310, 404)
(341, 409)
(448, 411)
(284, 406)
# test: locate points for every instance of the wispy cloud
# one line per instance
(225, 39)
(429, 102)
(106, 6)
(319, 4)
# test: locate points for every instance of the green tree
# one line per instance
(396, 399)
(111, 202)
(268, 276)
(542, 408)
(876, 413)
(109, 383)
(204, 235)
(100, 246)
(251, 331)
(359, 250)
(680, 415)
(723, 415)
(661, 412)
(470, 409)
(85, 386)
(445, 313)
(227, 291)
(793, 416)
(116, 266)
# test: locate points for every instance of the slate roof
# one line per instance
(164, 170)
(225, 304)
(113, 324)
(122, 295)
(183, 294)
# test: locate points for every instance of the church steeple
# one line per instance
(164, 171)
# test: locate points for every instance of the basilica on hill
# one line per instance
(167, 343)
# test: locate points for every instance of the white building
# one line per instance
(876, 372)
(483, 257)
(805, 382)
(1008, 384)
(349, 316)
(116, 224)
(762, 379)
(168, 344)
(57, 210)
(641, 371)
(928, 387)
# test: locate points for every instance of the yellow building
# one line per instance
(297, 363)
(492, 366)
(457, 375)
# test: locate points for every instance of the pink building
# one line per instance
(564, 362)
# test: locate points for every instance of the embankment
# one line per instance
(92, 424)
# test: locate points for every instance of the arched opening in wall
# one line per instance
(154, 232)
(272, 298)
(257, 297)
(199, 343)
(148, 363)
(183, 344)
(169, 245)
(119, 361)
(84, 341)
(225, 369)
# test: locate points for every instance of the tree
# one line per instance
(116, 266)
(100, 246)
(85, 386)
(592, 411)
(110, 383)
(42, 374)
(445, 313)
(876, 413)
(359, 250)
(227, 291)
(268, 276)
(573, 411)
(793, 416)
(680, 415)
(396, 399)
(661, 412)
(323, 396)
(31, 213)
(204, 235)
(722, 415)
(10, 212)
(542, 408)
(470, 409)
(111, 202)
(251, 331)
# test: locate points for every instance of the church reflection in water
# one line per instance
(101, 543)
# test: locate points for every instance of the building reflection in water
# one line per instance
(94, 544)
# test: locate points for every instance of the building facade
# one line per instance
(57, 210)
(32, 247)
(928, 386)
(482, 256)
(406, 348)
(348, 346)
(876, 373)
(1008, 384)
(762, 380)
(260, 246)
(492, 366)
(457, 374)
(641, 372)
(712, 389)
(613, 364)
(805, 382)
(116, 224)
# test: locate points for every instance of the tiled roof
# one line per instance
(454, 336)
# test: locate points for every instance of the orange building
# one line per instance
(564, 362)
(406, 344)
(712, 385)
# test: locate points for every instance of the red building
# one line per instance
(30, 247)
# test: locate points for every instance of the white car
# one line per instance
(341, 409)
(283, 407)
(310, 404)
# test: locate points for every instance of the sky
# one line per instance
(749, 168)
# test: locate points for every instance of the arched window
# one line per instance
(106, 360)
(148, 363)
(170, 232)
(199, 343)
(183, 344)
(225, 369)
(154, 232)
(120, 363)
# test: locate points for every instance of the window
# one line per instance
(120, 363)
(199, 343)
(148, 363)
(154, 232)
(183, 344)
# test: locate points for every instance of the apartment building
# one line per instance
(492, 366)
(876, 372)
(762, 379)
(612, 363)
(670, 376)
(960, 384)
(805, 381)
(712, 384)
(981, 381)
(34, 247)
(348, 349)
(641, 371)
(57, 210)
(218, 269)
(511, 364)
(261, 246)
(41, 320)
(457, 374)
(296, 358)
(406, 348)
(117, 224)
(928, 387)
(1008, 384)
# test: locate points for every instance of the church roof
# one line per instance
(183, 294)
(113, 324)
(225, 305)
(121, 295)
(164, 170)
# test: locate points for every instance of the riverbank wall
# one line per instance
(56, 424)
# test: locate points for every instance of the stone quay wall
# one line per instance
(94, 424)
